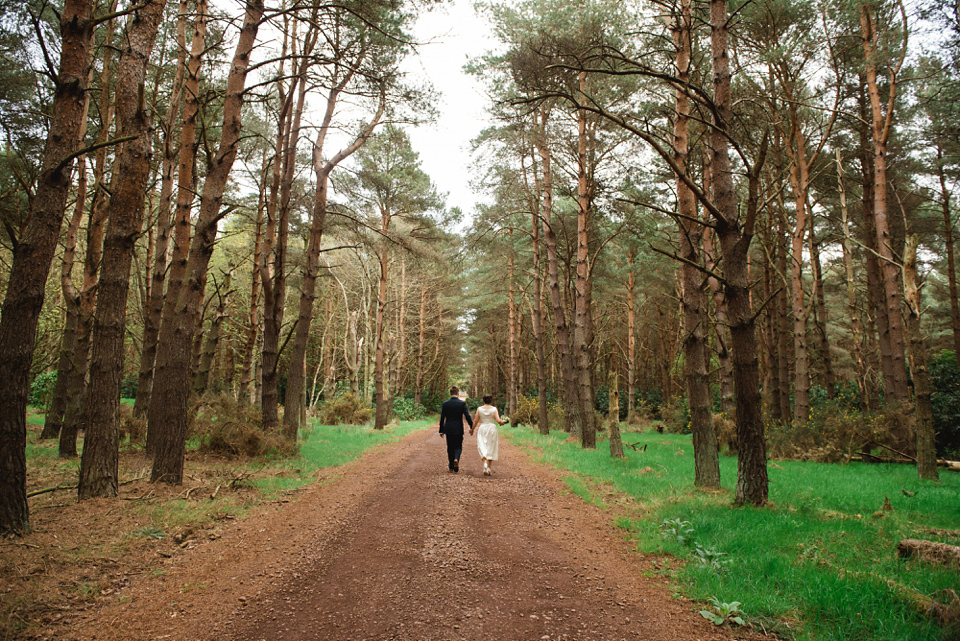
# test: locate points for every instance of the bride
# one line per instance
(485, 423)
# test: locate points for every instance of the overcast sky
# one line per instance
(455, 34)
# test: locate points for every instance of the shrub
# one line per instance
(601, 399)
(527, 411)
(225, 427)
(726, 430)
(432, 401)
(676, 415)
(345, 409)
(405, 409)
(132, 428)
(837, 433)
(41, 389)
(557, 417)
(128, 386)
(945, 379)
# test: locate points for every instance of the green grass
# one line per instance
(819, 558)
(325, 446)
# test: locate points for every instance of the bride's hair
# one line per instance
(488, 399)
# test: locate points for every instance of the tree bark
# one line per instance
(168, 405)
(616, 444)
(583, 299)
(202, 381)
(99, 474)
(706, 458)
(543, 420)
(278, 230)
(53, 419)
(186, 188)
(154, 308)
(631, 340)
(820, 314)
(926, 446)
(799, 182)
(881, 123)
(951, 260)
(562, 331)
(381, 417)
(33, 256)
(511, 335)
(734, 245)
(855, 331)
(74, 419)
(298, 354)
(248, 387)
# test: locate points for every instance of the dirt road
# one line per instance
(394, 547)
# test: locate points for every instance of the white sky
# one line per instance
(455, 34)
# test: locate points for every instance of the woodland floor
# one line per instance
(389, 547)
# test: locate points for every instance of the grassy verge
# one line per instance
(819, 563)
(325, 446)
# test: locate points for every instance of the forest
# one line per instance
(736, 218)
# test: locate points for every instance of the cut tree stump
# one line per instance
(931, 551)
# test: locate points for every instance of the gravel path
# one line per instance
(394, 547)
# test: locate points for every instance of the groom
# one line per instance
(451, 425)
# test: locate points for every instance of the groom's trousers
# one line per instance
(454, 447)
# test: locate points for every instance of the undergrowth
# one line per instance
(819, 562)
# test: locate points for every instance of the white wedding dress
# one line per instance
(487, 435)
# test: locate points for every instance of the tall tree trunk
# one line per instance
(820, 314)
(74, 419)
(275, 287)
(202, 381)
(298, 355)
(154, 308)
(562, 331)
(631, 340)
(99, 474)
(33, 256)
(583, 299)
(734, 245)
(784, 334)
(877, 316)
(706, 459)
(53, 419)
(948, 241)
(855, 331)
(799, 181)
(881, 124)
(511, 335)
(537, 314)
(616, 444)
(382, 415)
(168, 406)
(720, 326)
(248, 387)
(186, 188)
(421, 346)
(926, 447)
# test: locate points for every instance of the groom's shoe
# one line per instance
(456, 465)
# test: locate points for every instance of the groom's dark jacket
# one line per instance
(451, 416)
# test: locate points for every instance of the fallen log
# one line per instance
(930, 551)
(953, 466)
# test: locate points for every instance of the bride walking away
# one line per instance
(485, 422)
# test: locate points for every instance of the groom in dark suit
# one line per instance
(452, 414)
